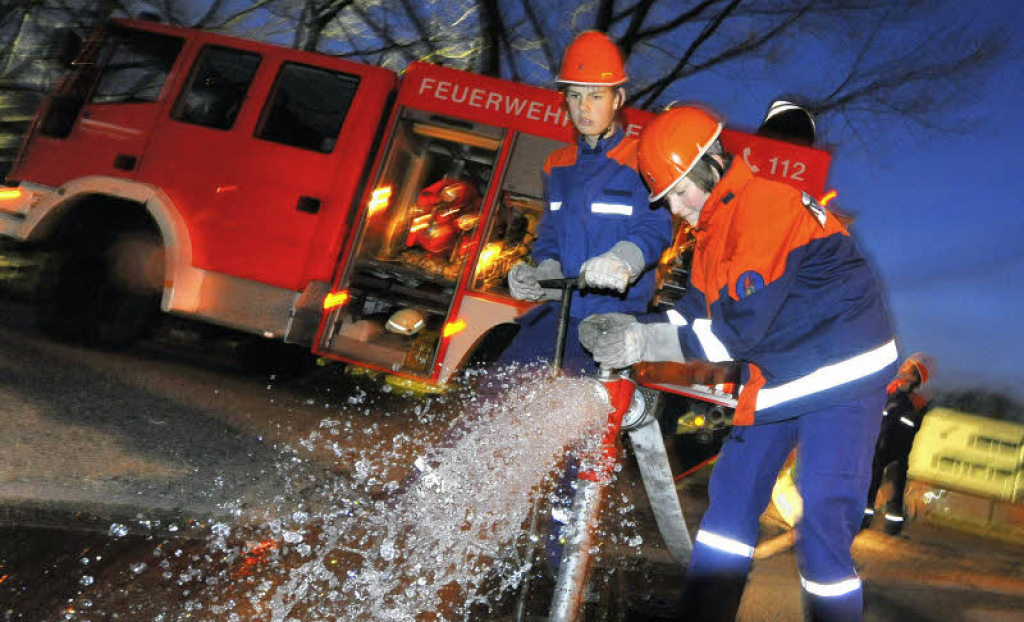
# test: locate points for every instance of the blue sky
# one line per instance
(942, 216)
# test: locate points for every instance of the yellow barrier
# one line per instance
(970, 453)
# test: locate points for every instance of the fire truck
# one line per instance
(361, 215)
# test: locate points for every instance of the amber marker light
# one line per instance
(453, 328)
(828, 196)
(10, 194)
(335, 299)
(379, 200)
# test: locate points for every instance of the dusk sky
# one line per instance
(939, 213)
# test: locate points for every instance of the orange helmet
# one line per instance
(594, 60)
(672, 143)
(920, 362)
(459, 193)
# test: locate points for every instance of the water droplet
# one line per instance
(118, 530)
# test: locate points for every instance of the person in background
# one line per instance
(901, 419)
(779, 285)
(598, 225)
(789, 122)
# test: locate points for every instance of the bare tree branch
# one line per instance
(652, 92)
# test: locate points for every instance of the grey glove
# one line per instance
(615, 269)
(618, 340)
(524, 280)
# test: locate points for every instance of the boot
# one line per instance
(893, 523)
(712, 599)
(869, 515)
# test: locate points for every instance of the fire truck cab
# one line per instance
(300, 197)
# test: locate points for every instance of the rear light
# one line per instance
(12, 200)
(335, 299)
(453, 328)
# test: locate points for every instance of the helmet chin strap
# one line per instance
(715, 164)
(608, 131)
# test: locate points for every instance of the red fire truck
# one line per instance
(365, 216)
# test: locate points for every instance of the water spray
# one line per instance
(628, 412)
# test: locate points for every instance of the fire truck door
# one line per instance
(99, 120)
(250, 150)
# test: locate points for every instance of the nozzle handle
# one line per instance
(567, 286)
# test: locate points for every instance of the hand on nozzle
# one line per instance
(615, 269)
(524, 280)
(616, 340)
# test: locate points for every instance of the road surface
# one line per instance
(116, 465)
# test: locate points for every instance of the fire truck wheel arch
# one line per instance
(181, 279)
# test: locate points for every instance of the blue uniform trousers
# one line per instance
(835, 446)
(535, 342)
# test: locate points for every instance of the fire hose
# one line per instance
(628, 413)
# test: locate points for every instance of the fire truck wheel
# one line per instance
(105, 294)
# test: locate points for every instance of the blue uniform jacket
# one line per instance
(595, 198)
(778, 284)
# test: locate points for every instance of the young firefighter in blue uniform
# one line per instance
(598, 224)
(778, 285)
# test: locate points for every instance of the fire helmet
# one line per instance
(459, 193)
(788, 121)
(672, 143)
(592, 59)
(920, 362)
(407, 321)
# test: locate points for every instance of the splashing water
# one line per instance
(386, 541)
(449, 529)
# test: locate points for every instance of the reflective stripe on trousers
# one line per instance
(836, 444)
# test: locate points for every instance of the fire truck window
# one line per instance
(217, 87)
(136, 65)
(307, 107)
(513, 222)
(428, 200)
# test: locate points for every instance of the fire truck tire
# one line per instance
(102, 293)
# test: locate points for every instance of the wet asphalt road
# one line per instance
(157, 439)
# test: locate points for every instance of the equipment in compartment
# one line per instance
(512, 235)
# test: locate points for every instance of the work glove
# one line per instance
(617, 340)
(524, 280)
(615, 269)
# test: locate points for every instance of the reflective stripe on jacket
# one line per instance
(595, 198)
(778, 284)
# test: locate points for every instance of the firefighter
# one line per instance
(788, 121)
(901, 420)
(778, 285)
(598, 224)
